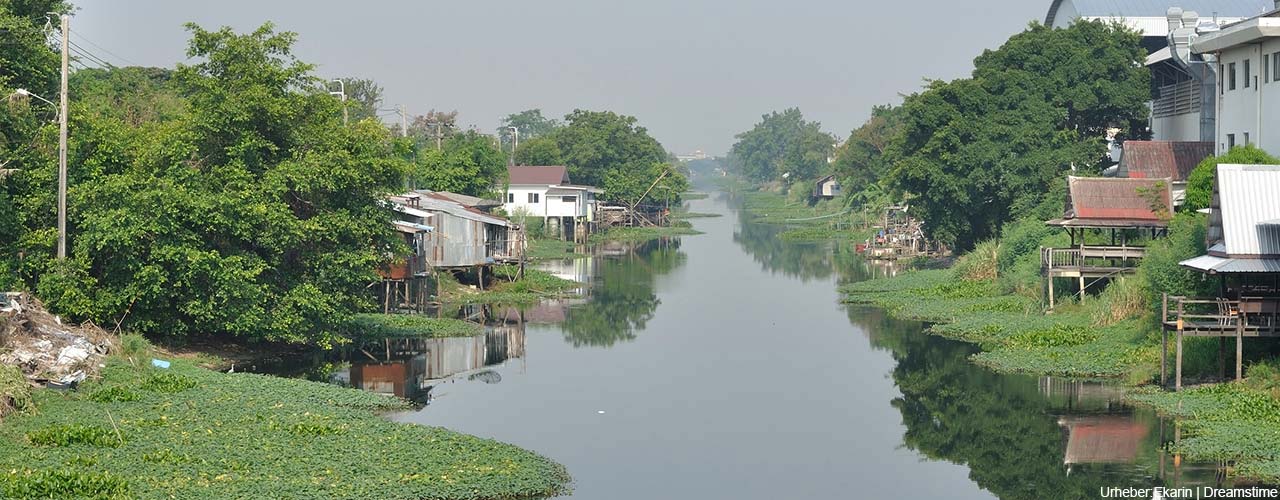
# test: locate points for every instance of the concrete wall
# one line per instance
(1254, 110)
(550, 202)
(1184, 127)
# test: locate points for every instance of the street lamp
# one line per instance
(27, 93)
(341, 93)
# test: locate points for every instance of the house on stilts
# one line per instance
(1119, 212)
(1243, 241)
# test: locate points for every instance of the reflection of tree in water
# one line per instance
(807, 260)
(623, 297)
(1000, 426)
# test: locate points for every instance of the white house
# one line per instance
(546, 193)
(1247, 54)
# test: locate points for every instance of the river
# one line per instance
(723, 365)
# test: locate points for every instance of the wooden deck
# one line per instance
(1215, 317)
(1088, 262)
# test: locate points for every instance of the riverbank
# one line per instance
(188, 432)
(504, 286)
(825, 220)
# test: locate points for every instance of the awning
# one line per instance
(1223, 265)
(410, 227)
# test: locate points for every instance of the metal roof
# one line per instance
(411, 227)
(1214, 265)
(1112, 199)
(1249, 195)
(1158, 8)
(1161, 159)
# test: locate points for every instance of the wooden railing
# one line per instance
(1082, 255)
(1183, 312)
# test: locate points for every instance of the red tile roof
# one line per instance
(537, 175)
(1159, 159)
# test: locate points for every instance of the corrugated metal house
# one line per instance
(461, 236)
(1244, 222)
(826, 188)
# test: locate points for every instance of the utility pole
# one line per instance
(438, 135)
(62, 143)
(404, 124)
(515, 142)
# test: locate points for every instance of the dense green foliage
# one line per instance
(860, 162)
(1200, 183)
(530, 125)
(468, 163)
(608, 150)
(980, 151)
(223, 436)
(225, 197)
(782, 144)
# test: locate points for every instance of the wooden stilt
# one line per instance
(1177, 365)
(386, 297)
(1222, 358)
(1164, 340)
(1240, 351)
(1051, 293)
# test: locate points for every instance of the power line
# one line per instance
(104, 49)
(85, 52)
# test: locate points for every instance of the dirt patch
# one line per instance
(43, 348)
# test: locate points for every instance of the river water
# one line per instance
(723, 365)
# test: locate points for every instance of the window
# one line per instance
(1266, 75)
(533, 197)
(1231, 76)
(1275, 67)
(1246, 138)
(511, 197)
(1231, 141)
(569, 199)
(1247, 74)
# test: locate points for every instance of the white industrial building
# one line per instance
(1247, 57)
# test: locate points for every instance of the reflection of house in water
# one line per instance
(410, 367)
(580, 270)
(1093, 439)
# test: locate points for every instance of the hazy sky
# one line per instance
(695, 72)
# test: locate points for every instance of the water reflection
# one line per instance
(623, 294)
(410, 368)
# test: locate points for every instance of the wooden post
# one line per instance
(1222, 358)
(480, 275)
(1239, 351)
(1177, 370)
(1050, 292)
(1164, 340)
(386, 297)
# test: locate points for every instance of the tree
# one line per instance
(364, 97)
(860, 162)
(431, 129)
(468, 163)
(605, 149)
(782, 143)
(1200, 183)
(977, 152)
(255, 214)
(530, 123)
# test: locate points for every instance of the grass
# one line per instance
(187, 432)
(381, 326)
(548, 248)
(15, 392)
(694, 195)
(804, 222)
(680, 214)
(629, 234)
(504, 288)
(1011, 329)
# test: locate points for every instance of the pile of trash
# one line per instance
(47, 351)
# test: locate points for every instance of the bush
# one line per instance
(1200, 182)
(168, 383)
(15, 392)
(1160, 269)
(981, 264)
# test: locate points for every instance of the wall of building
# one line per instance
(1183, 127)
(518, 200)
(1253, 110)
